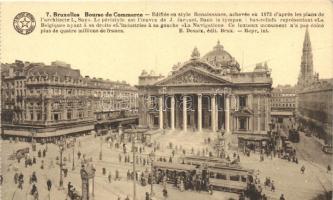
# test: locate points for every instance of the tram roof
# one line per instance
(173, 166)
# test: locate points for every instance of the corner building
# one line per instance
(46, 101)
(208, 93)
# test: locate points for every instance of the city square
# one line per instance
(207, 130)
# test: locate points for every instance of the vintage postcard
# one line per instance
(150, 100)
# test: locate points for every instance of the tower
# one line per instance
(306, 74)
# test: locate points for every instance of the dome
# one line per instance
(220, 58)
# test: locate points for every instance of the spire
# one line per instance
(307, 42)
(306, 74)
(195, 54)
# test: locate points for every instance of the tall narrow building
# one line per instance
(306, 75)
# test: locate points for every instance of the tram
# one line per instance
(220, 176)
(293, 136)
(229, 179)
(202, 160)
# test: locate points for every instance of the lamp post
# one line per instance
(73, 165)
(100, 153)
(61, 149)
(152, 157)
(134, 171)
(33, 143)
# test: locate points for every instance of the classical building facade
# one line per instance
(314, 99)
(53, 100)
(283, 102)
(208, 93)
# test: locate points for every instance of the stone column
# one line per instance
(258, 112)
(266, 113)
(216, 114)
(27, 113)
(199, 112)
(227, 114)
(250, 101)
(48, 111)
(64, 113)
(184, 114)
(213, 109)
(34, 115)
(160, 111)
(177, 112)
(251, 123)
(173, 112)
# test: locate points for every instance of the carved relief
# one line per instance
(191, 77)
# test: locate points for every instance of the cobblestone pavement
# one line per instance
(286, 175)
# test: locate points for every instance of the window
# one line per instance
(234, 178)
(242, 101)
(69, 115)
(221, 176)
(242, 123)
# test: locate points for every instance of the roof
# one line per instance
(54, 70)
(220, 58)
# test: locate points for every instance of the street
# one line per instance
(301, 186)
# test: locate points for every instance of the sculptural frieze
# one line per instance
(191, 77)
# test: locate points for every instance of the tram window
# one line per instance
(234, 178)
(221, 176)
(211, 175)
(243, 178)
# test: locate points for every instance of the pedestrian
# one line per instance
(302, 169)
(69, 188)
(65, 172)
(109, 177)
(165, 193)
(117, 175)
(79, 155)
(49, 184)
(119, 157)
(16, 178)
(272, 187)
(20, 181)
(33, 189)
(282, 197)
(147, 196)
(42, 165)
(127, 198)
(33, 177)
(1, 179)
(328, 168)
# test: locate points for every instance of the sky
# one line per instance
(124, 56)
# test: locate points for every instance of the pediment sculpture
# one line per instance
(190, 77)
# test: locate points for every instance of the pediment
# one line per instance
(192, 76)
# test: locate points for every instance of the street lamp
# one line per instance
(73, 166)
(100, 153)
(61, 149)
(152, 158)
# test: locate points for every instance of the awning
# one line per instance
(253, 138)
(281, 113)
(57, 132)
